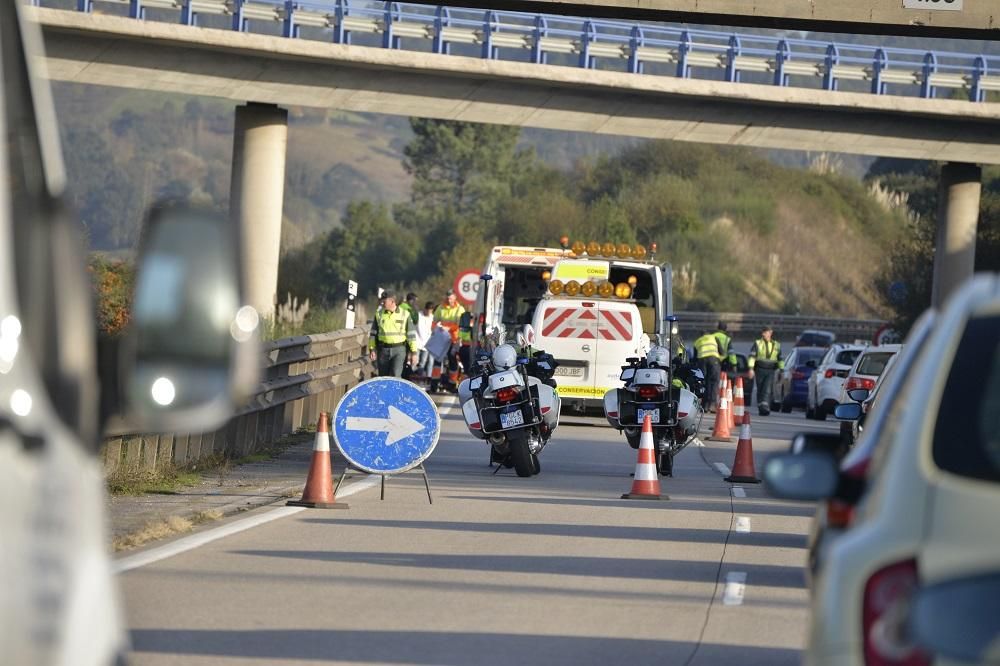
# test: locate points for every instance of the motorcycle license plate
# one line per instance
(653, 414)
(511, 418)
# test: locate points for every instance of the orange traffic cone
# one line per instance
(720, 433)
(646, 484)
(318, 493)
(738, 407)
(729, 401)
(743, 469)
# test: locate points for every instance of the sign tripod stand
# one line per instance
(419, 468)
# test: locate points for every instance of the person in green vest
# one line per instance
(410, 306)
(765, 360)
(706, 349)
(392, 334)
(725, 346)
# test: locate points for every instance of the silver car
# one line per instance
(929, 517)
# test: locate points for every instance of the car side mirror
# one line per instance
(959, 619)
(811, 475)
(859, 395)
(848, 411)
(807, 442)
(191, 354)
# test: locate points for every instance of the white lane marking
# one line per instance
(202, 538)
(739, 492)
(447, 406)
(736, 584)
(722, 468)
(743, 524)
(698, 443)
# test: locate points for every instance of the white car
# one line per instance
(929, 518)
(826, 383)
(864, 374)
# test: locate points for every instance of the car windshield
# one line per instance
(874, 363)
(848, 357)
(967, 434)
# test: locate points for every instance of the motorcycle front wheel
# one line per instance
(520, 454)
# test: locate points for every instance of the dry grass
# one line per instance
(162, 529)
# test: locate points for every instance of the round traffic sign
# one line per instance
(467, 285)
(386, 425)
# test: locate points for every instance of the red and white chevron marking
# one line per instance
(587, 324)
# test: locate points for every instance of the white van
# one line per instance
(590, 338)
(520, 280)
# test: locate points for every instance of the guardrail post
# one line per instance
(781, 56)
(136, 10)
(879, 65)
(832, 59)
(538, 54)
(930, 67)
(979, 70)
(340, 34)
(442, 20)
(289, 29)
(636, 42)
(733, 74)
(588, 36)
(489, 24)
(683, 48)
(239, 21)
(389, 40)
(188, 15)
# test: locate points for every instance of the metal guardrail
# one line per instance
(639, 48)
(784, 325)
(302, 377)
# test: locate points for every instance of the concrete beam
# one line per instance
(958, 217)
(103, 50)
(977, 19)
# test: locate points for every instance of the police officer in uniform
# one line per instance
(706, 349)
(392, 334)
(765, 359)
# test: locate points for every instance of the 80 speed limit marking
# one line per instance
(467, 285)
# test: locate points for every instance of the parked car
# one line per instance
(929, 514)
(835, 515)
(825, 384)
(791, 384)
(865, 372)
(815, 338)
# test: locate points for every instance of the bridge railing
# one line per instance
(784, 325)
(639, 48)
(302, 377)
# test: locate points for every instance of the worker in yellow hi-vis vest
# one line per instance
(449, 315)
(392, 334)
(706, 349)
(765, 360)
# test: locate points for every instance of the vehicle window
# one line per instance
(809, 355)
(873, 364)
(967, 433)
(848, 357)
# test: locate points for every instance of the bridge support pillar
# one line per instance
(256, 195)
(958, 217)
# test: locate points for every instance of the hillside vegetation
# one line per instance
(409, 203)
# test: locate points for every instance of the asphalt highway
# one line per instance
(553, 569)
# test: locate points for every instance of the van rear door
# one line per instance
(619, 337)
(568, 329)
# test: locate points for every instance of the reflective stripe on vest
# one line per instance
(392, 327)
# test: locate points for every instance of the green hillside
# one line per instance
(742, 230)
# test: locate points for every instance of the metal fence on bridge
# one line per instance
(639, 48)
(303, 376)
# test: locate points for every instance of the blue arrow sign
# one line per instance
(386, 425)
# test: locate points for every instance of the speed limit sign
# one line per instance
(467, 285)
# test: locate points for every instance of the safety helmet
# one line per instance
(505, 357)
(658, 355)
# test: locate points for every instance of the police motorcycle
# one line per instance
(665, 391)
(511, 403)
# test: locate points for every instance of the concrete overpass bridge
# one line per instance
(614, 78)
